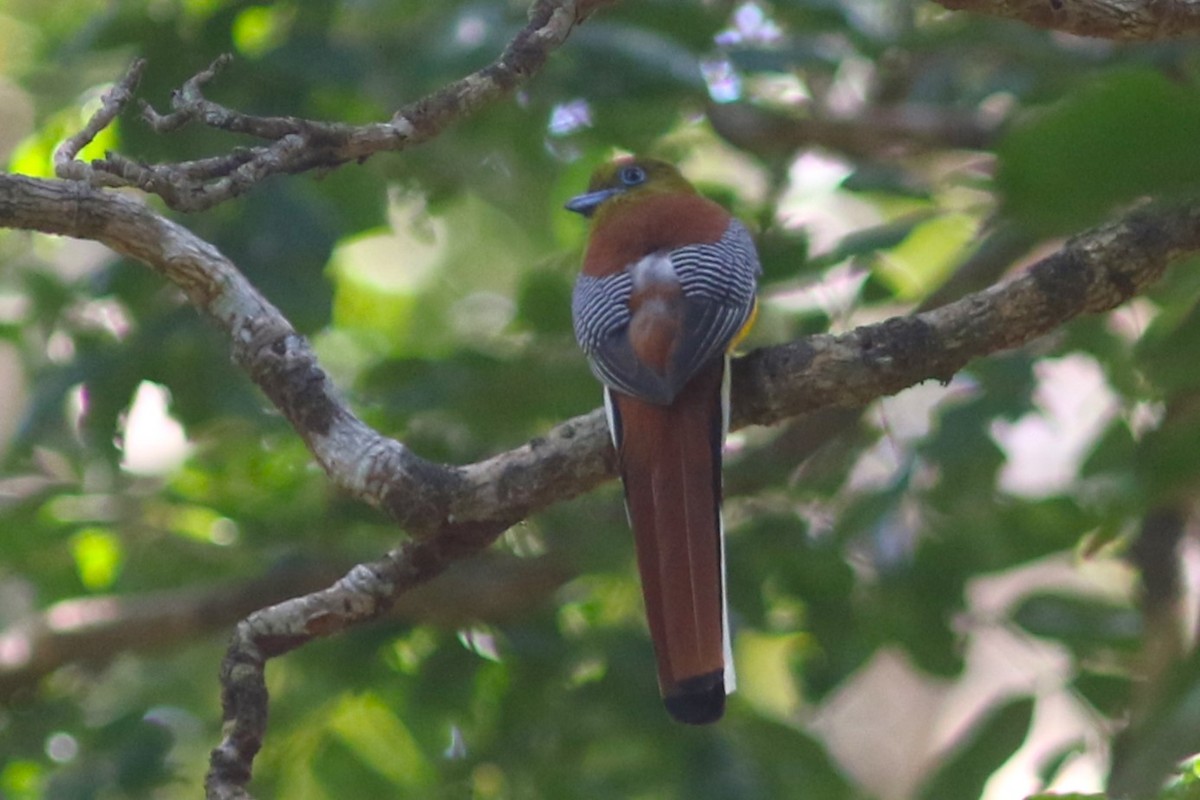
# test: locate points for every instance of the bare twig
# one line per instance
(189, 104)
(297, 145)
(1121, 20)
(363, 594)
(112, 103)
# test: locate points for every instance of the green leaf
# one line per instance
(380, 740)
(1082, 623)
(1110, 694)
(806, 771)
(1131, 133)
(918, 264)
(544, 301)
(988, 744)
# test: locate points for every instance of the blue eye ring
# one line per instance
(632, 175)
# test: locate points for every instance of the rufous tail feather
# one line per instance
(670, 460)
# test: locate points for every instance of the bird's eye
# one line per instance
(632, 175)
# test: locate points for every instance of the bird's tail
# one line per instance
(670, 459)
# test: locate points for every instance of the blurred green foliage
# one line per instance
(435, 287)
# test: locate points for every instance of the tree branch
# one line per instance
(454, 511)
(1121, 20)
(873, 133)
(1094, 271)
(298, 145)
(111, 104)
(95, 629)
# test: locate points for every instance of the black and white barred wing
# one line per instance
(717, 283)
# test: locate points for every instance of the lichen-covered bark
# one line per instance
(1120, 20)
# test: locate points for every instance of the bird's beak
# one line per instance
(586, 204)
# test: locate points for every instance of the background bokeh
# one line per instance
(934, 597)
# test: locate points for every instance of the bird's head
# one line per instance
(624, 181)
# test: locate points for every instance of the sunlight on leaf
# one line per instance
(488, 782)
(379, 738)
(98, 556)
(34, 156)
(598, 601)
(292, 758)
(259, 29)
(408, 653)
(588, 670)
(202, 524)
(21, 780)
(923, 260)
(378, 276)
(766, 678)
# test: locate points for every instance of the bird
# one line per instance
(667, 289)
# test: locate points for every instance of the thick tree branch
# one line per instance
(1122, 20)
(298, 145)
(1092, 272)
(453, 511)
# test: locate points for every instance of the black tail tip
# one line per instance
(699, 700)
